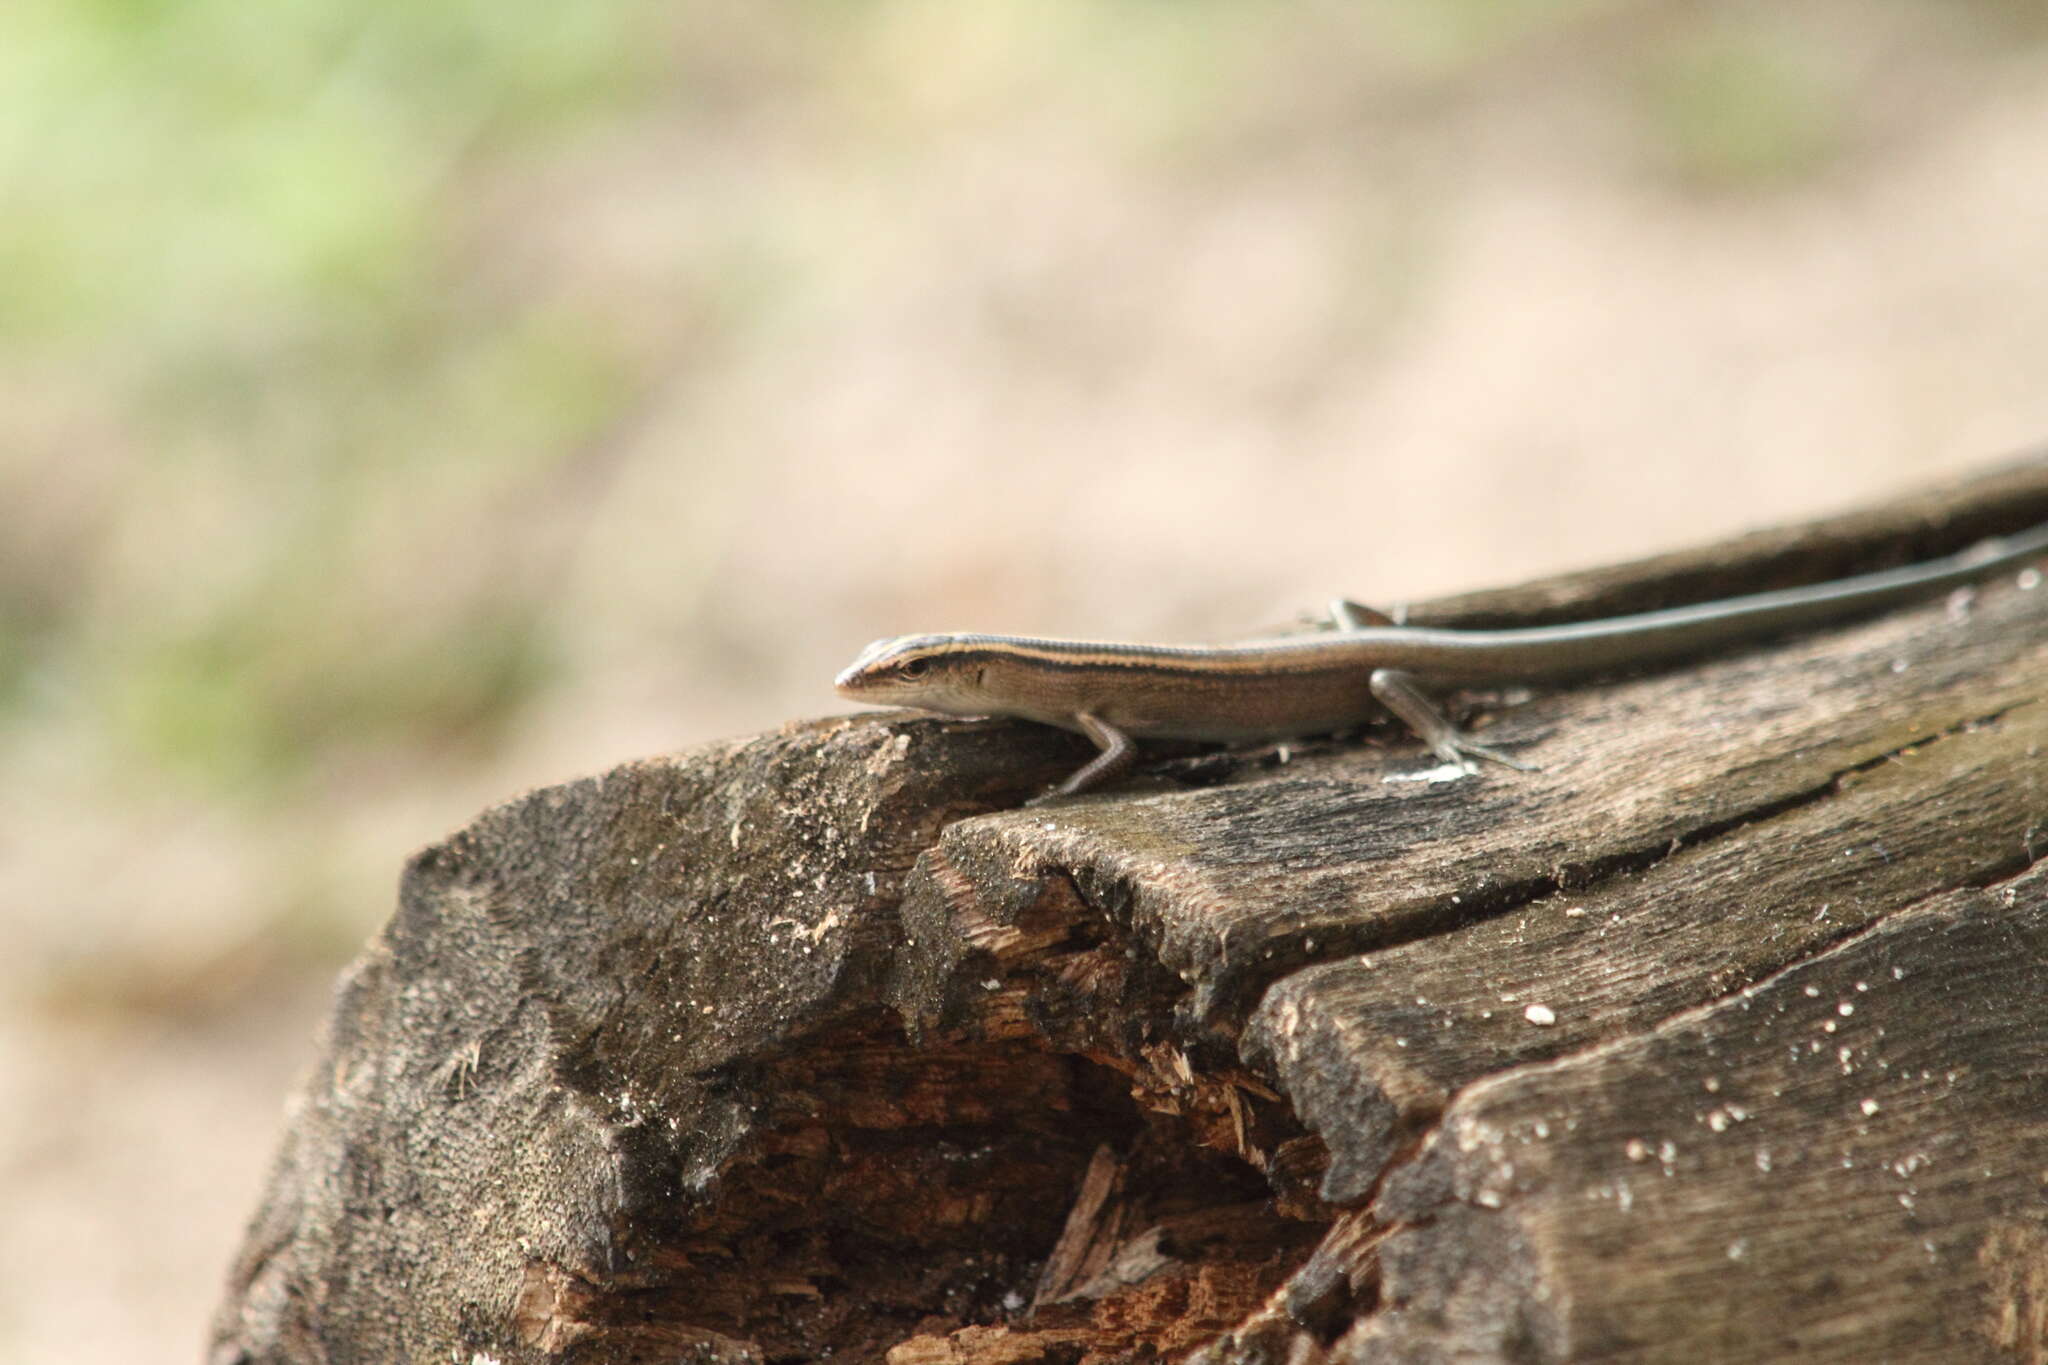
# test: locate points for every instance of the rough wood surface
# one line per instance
(1842, 1164)
(1719, 1037)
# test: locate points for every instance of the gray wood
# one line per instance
(553, 1087)
(1842, 1164)
(1415, 1023)
(815, 1042)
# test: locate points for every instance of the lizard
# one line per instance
(1286, 686)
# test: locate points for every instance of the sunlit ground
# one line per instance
(405, 404)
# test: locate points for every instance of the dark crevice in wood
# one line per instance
(1141, 1262)
(1336, 1288)
(1062, 969)
(936, 1198)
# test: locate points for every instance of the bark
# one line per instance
(1720, 1036)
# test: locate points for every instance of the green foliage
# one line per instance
(189, 168)
(249, 701)
(235, 227)
(1732, 111)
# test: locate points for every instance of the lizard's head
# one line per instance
(936, 672)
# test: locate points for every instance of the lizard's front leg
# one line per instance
(1119, 754)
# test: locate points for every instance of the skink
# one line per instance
(1318, 683)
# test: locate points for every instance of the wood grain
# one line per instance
(1843, 1163)
(1720, 1036)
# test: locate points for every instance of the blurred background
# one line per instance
(403, 404)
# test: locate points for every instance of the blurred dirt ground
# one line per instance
(404, 405)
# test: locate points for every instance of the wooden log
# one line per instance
(1841, 1163)
(1720, 1036)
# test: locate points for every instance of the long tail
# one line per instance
(1573, 648)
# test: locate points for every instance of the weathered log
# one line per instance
(1723, 1035)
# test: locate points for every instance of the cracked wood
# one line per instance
(802, 1045)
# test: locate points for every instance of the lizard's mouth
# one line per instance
(858, 677)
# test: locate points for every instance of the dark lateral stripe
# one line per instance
(1170, 661)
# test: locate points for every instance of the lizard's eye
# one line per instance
(913, 668)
